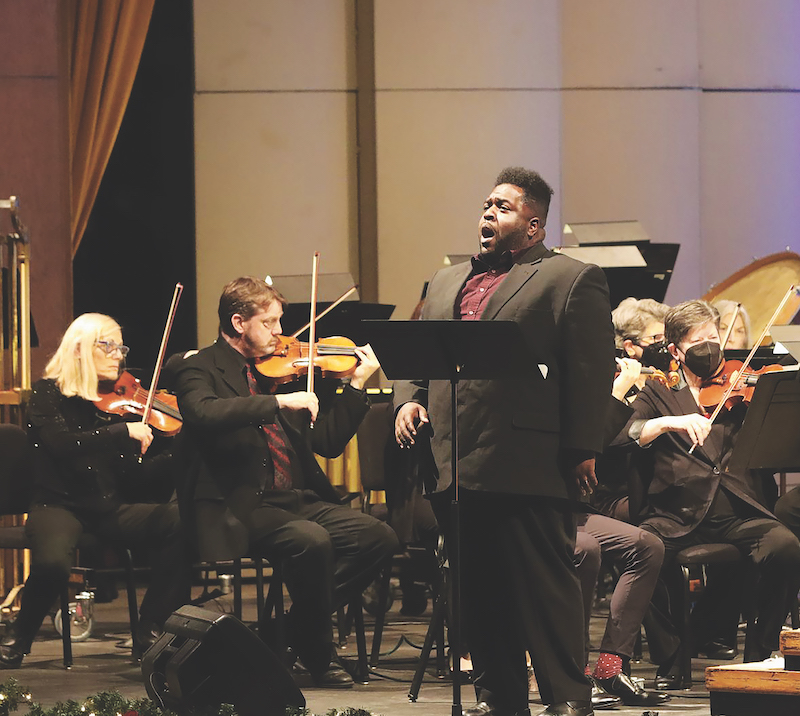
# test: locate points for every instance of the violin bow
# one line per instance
(327, 310)
(160, 360)
(731, 324)
(746, 364)
(312, 325)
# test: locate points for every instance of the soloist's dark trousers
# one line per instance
(330, 553)
(519, 592)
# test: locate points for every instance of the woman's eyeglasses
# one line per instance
(111, 347)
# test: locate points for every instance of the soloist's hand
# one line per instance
(408, 421)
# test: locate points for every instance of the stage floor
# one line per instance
(101, 665)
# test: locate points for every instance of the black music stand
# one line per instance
(768, 437)
(451, 350)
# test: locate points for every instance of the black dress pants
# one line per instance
(519, 593)
(775, 553)
(330, 553)
(54, 532)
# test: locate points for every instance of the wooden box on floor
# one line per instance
(759, 688)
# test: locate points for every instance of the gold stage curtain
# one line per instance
(106, 39)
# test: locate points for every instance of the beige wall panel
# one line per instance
(750, 153)
(750, 44)
(634, 155)
(444, 44)
(275, 182)
(438, 155)
(629, 43)
(247, 45)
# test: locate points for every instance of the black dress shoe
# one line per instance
(569, 708)
(147, 634)
(10, 658)
(12, 649)
(670, 682)
(631, 693)
(484, 709)
(716, 651)
(334, 677)
(601, 699)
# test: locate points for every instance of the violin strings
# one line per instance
(159, 405)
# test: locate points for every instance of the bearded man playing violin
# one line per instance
(91, 472)
(694, 499)
(254, 486)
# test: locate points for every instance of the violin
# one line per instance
(334, 357)
(127, 397)
(744, 382)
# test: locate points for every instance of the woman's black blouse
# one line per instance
(83, 459)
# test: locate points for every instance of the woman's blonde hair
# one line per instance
(726, 309)
(72, 366)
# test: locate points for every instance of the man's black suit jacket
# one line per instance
(513, 431)
(225, 452)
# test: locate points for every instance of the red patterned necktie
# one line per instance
(277, 443)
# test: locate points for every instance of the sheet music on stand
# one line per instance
(769, 438)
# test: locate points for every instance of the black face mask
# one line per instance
(657, 356)
(704, 358)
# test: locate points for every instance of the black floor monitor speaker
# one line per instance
(206, 658)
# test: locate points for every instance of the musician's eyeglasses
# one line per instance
(110, 347)
(655, 338)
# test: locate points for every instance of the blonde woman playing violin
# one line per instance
(91, 472)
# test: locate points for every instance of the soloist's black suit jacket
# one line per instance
(513, 431)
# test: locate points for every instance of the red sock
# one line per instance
(588, 670)
(608, 666)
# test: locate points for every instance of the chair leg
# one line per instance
(259, 565)
(380, 617)
(435, 628)
(686, 631)
(343, 628)
(237, 588)
(130, 587)
(637, 647)
(275, 597)
(66, 624)
(362, 672)
(795, 612)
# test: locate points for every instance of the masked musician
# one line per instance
(694, 499)
(527, 442)
(254, 484)
(87, 467)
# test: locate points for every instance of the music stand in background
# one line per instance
(789, 338)
(450, 350)
(344, 320)
(768, 437)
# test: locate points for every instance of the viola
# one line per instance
(127, 397)
(333, 357)
(744, 382)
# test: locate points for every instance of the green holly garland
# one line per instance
(111, 703)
